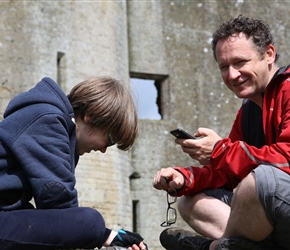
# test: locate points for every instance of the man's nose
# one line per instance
(233, 73)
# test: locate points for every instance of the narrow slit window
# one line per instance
(60, 68)
(135, 211)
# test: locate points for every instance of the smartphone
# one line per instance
(181, 134)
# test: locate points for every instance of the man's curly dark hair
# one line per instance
(255, 29)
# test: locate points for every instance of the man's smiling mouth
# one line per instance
(237, 84)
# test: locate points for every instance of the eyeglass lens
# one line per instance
(171, 199)
(171, 212)
(171, 216)
(111, 141)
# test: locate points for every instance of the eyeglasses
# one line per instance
(111, 140)
(171, 212)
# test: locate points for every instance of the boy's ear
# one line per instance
(87, 119)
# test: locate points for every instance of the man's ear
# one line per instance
(271, 53)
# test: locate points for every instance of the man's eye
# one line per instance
(241, 62)
(223, 68)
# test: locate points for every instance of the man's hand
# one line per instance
(167, 178)
(200, 149)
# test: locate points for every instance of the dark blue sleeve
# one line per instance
(46, 151)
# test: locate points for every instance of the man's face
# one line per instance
(243, 69)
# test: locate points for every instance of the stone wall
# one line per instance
(167, 41)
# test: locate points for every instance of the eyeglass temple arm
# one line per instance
(166, 179)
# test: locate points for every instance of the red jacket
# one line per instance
(232, 158)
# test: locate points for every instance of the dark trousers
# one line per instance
(36, 229)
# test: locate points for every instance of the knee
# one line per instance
(92, 224)
(91, 217)
(182, 204)
(247, 186)
(81, 227)
(186, 204)
(90, 213)
(246, 192)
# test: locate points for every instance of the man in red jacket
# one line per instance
(254, 159)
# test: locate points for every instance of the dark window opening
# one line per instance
(147, 93)
(135, 211)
